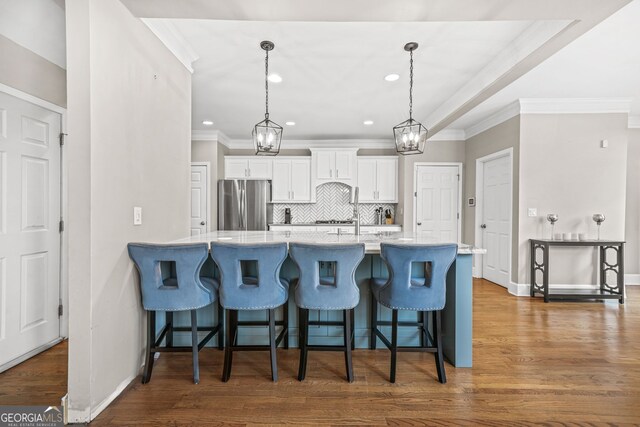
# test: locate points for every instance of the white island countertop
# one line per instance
(371, 240)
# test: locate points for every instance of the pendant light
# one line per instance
(267, 135)
(410, 135)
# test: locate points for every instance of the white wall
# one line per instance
(129, 145)
(632, 234)
(564, 170)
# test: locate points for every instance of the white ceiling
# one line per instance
(333, 73)
(38, 25)
(603, 63)
(334, 54)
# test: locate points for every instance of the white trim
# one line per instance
(554, 106)
(10, 364)
(575, 105)
(448, 135)
(479, 261)
(207, 165)
(632, 279)
(32, 99)
(415, 189)
(509, 111)
(109, 399)
(170, 36)
(634, 122)
(519, 289)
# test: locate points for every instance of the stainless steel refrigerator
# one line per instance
(244, 204)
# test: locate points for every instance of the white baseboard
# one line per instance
(30, 354)
(106, 402)
(518, 289)
(632, 279)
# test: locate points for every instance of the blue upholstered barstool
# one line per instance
(336, 290)
(401, 291)
(249, 280)
(170, 281)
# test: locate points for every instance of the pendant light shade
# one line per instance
(267, 135)
(410, 136)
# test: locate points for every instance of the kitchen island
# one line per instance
(457, 315)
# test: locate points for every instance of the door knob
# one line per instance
(419, 223)
(202, 223)
(483, 226)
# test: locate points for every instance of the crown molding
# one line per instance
(173, 40)
(553, 106)
(211, 135)
(634, 122)
(289, 144)
(449, 135)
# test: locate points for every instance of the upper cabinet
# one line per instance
(291, 180)
(241, 167)
(333, 165)
(378, 179)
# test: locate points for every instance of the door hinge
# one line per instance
(60, 310)
(415, 194)
(62, 135)
(458, 177)
(61, 226)
(458, 215)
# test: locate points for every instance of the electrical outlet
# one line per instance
(137, 216)
(533, 212)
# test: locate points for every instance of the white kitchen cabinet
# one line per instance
(333, 165)
(241, 167)
(291, 180)
(378, 179)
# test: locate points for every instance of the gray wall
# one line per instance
(564, 170)
(22, 69)
(129, 124)
(632, 232)
(500, 137)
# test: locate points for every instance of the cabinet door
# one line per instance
(344, 164)
(325, 164)
(300, 180)
(367, 180)
(235, 168)
(387, 180)
(281, 183)
(260, 168)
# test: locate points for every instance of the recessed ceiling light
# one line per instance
(290, 123)
(391, 77)
(274, 78)
(368, 122)
(207, 122)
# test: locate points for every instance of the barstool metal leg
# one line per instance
(228, 352)
(347, 343)
(221, 326)
(374, 323)
(394, 345)
(272, 342)
(423, 327)
(442, 377)
(303, 324)
(168, 318)
(353, 322)
(194, 346)
(285, 323)
(151, 342)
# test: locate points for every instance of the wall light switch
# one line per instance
(533, 212)
(604, 143)
(137, 216)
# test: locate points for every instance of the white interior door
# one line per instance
(496, 220)
(437, 195)
(29, 228)
(199, 201)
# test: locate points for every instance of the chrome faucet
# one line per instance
(356, 210)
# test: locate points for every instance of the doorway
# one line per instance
(437, 192)
(200, 198)
(30, 227)
(494, 212)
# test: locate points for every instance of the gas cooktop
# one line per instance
(334, 221)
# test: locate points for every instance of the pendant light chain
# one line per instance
(411, 84)
(266, 85)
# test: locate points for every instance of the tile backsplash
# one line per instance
(332, 202)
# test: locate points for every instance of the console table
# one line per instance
(606, 290)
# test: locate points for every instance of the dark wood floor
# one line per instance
(564, 363)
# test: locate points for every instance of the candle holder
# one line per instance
(552, 218)
(599, 219)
